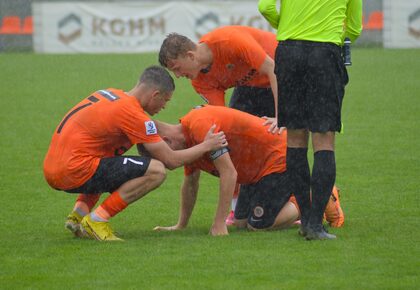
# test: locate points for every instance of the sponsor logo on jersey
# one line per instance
(247, 78)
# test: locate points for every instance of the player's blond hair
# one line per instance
(173, 46)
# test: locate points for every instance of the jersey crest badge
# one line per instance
(150, 128)
(230, 66)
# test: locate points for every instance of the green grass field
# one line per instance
(377, 170)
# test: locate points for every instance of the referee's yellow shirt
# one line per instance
(314, 20)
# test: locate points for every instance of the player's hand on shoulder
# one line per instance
(272, 122)
(215, 141)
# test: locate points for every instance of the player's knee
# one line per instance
(262, 224)
(251, 228)
(260, 219)
(156, 171)
(240, 223)
(323, 141)
(282, 220)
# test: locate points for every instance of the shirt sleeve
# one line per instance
(198, 129)
(353, 19)
(269, 11)
(213, 96)
(139, 128)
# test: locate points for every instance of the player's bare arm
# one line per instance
(174, 159)
(228, 177)
(267, 68)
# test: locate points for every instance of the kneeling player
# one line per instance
(255, 158)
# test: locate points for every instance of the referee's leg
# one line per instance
(299, 172)
(322, 181)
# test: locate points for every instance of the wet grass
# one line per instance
(377, 170)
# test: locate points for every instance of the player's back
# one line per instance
(254, 151)
(222, 34)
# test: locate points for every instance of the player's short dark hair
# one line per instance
(173, 46)
(158, 77)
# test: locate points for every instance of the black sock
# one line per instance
(322, 182)
(300, 179)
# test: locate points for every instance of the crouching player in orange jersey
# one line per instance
(255, 158)
(84, 154)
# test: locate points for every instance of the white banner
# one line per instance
(402, 24)
(127, 27)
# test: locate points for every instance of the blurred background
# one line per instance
(66, 26)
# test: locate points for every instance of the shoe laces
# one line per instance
(73, 219)
(107, 229)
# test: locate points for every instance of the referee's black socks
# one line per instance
(322, 182)
(300, 179)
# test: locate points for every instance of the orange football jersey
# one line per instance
(254, 151)
(238, 53)
(105, 124)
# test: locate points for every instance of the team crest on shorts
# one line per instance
(150, 128)
(258, 211)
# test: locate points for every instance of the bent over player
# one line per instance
(238, 57)
(255, 158)
(85, 151)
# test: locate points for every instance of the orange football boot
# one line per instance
(333, 212)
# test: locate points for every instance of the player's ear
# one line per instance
(156, 94)
(190, 54)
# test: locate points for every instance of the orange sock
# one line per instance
(85, 203)
(111, 206)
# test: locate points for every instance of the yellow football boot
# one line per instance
(100, 231)
(73, 224)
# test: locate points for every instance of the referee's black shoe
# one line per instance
(303, 231)
(318, 234)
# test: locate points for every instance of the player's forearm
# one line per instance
(269, 11)
(274, 88)
(267, 69)
(226, 189)
(181, 157)
(189, 191)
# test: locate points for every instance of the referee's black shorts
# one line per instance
(311, 77)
